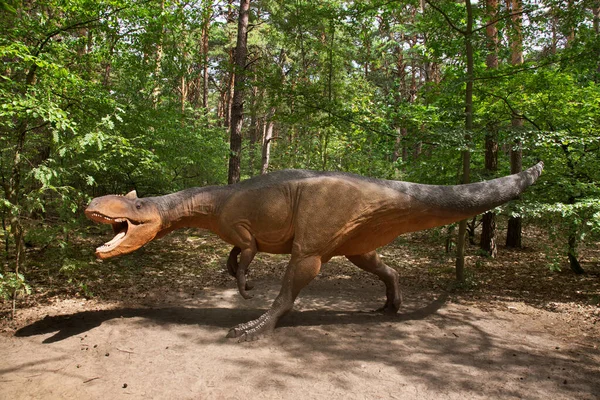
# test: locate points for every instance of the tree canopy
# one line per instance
(105, 96)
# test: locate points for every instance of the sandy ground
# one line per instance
(331, 346)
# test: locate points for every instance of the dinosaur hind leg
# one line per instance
(371, 262)
(299, 273)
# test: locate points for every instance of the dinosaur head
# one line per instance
(135, 222)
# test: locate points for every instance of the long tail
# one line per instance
(462, 201)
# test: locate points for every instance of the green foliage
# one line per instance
(580, 220)
(12, 284)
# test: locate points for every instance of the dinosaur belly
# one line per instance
(271, 247)
(368, 238)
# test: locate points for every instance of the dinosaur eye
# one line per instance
(138, 205)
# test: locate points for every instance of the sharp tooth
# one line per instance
(119, 236)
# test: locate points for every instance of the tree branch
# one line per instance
(526, 68)
(447, 18)
(512, 109)
(500, 19)
(58, 31)
(343, 118)
(31, 74)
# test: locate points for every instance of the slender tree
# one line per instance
(237, 108)
(488, 224)
(467, 35)
(514, 231)
(206, 20)
(466, 154)
(156, 91)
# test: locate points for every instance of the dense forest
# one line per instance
(105, 96)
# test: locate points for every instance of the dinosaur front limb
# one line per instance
(239, 270)
(371, 262)
(298, 274)
(232, 261)
(246, 257)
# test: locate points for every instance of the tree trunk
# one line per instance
(184, 93)
(514, 231)
(570, 23)
(572, 255)
(398, 146)
(466, 154)
(400, 150)
(207, 12)
(158, 66)
(412, 97)
(488, 223)
(106, 63)
(229, 91)
(596, 23)
(267, 139)
(253, 130)
(596, 12)
(237, 108)
(266, 147)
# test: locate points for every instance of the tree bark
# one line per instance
(229, 91)
(514, 231)
(596, 24)
(488, 223)
(158, 66)
(466, 154)
(267, 139)
(253, 130)
(237, 108)
(572, 255)
(207, 12)
(400, 150)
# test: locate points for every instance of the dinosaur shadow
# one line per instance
(75, 324)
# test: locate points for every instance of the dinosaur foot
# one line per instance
(253, 330)
(244, 288)
(387, 310)
(390, 307)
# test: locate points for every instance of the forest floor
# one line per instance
(152, 325)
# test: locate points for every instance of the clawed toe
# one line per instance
(232, 334)
(244, 294)
(248, 335)
(252, 330)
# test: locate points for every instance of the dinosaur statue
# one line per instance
(311, 215)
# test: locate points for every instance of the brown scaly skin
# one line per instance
(311, 215)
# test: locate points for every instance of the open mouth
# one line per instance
(120, 227)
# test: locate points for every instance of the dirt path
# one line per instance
(435, 349)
